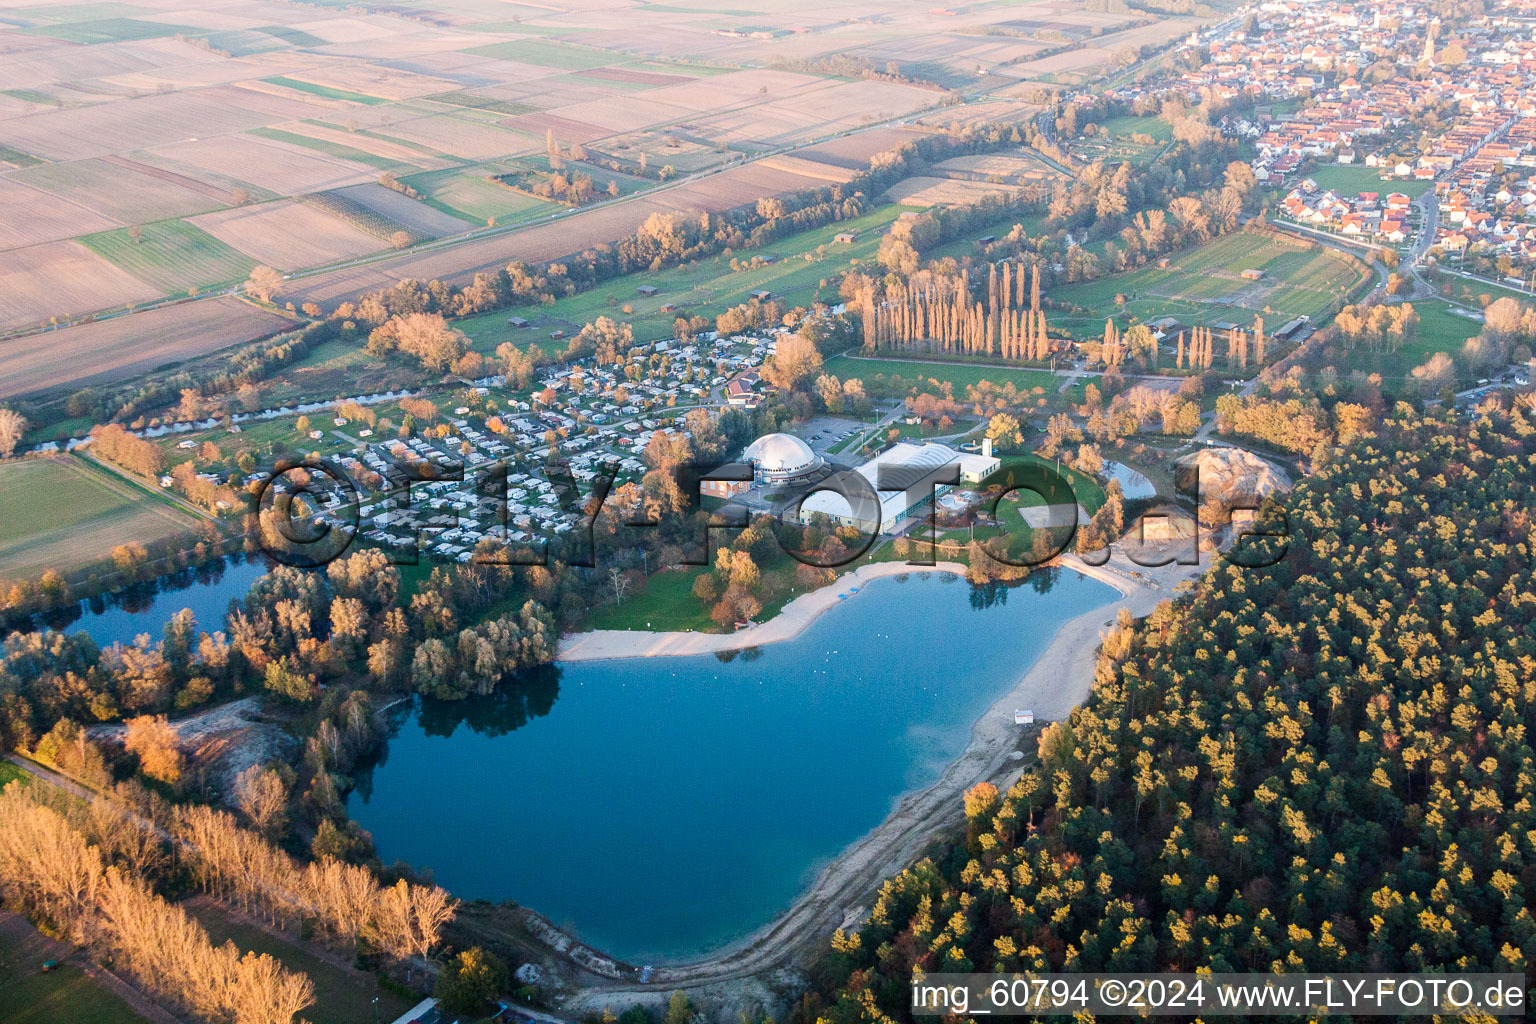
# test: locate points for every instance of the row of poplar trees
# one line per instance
(935, 313)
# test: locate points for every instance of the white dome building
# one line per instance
(778, 458)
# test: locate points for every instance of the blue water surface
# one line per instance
(660, 807)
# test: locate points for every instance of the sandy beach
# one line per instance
(605, 644)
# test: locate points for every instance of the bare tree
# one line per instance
(262, 795)
(620, 584)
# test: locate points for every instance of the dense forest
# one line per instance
(1324, 764)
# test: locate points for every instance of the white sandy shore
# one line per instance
(604, 644)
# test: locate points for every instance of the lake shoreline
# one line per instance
(790, 622)
(1057, 680)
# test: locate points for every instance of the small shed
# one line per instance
(1024, 717)
(647, 289)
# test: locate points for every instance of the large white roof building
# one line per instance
(779, 457)
(915, 468)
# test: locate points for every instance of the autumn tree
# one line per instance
(264, 283)
(13, 427)
(155, 742)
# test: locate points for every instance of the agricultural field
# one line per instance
(65, 360)
(289, 235)
(465, 193)
(1205, 285)
(125, 194)
(30, 996)
(411, 214)
(31, 216)
(571, 232)
(62, 279)
(706, 288)
(64, 513)
(172, 255)
(324, 90)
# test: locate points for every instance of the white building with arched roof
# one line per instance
(915, 468)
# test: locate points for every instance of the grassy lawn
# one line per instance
(919, 431)
(1124, 127)
(325, 90)
(1440, 330)
(1113, 140)
(1351, 179)
(1034, 224)
(341, 996)
(666, 602)
(1481, 293)
(1045, 477)
(961, 375)
(706, 288)
(68, 994)
(173, 256)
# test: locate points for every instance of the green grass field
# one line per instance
(1204, 285)
(1351, 179)
(707, 287)
(666, 602)
(62, 996)
(464, 192)
(1440, 330)
(327, 91)
(341, 996)
(961, 375)
(16, 158)
(1046, 478)
(468, 101)
(63, 513)
(172, 255)
(10, 773)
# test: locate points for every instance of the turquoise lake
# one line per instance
(659, 808)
